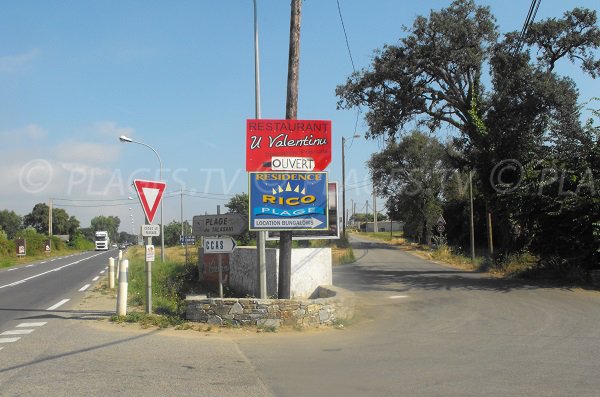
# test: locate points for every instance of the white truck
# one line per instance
(102, 241)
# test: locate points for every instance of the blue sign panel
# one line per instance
(288, 201)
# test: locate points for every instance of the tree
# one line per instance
(108, 223)
(434, 78)
(411, 175)
(38, 218)
(239, 204)
(62, 223)
(10, 222)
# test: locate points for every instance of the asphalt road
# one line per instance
(422, 330)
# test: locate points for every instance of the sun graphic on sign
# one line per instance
(289, 188)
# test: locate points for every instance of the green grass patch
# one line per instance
(170, 281)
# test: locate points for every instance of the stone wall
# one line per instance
(328, 305)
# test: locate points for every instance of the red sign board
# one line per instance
(150, 194)
(288, 145)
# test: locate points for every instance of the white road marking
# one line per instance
(84, 288)
(11, 270)
(27, 325)
(398, 296)
(43, 262)
(9, 340)
(17, 332)
(30, 266)
(102, 272)
(96, 278)
(59, 304)
(41, 274)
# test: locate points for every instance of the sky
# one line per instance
(179, 76)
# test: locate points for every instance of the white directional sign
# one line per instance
(292, 164)
(218, 225)
(150, 230)
(218, 245)
(310, 223)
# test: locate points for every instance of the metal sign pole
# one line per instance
(149, 282)
(220, 275)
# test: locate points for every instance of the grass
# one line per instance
(169, 280)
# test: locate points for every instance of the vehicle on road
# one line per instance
(102, 241)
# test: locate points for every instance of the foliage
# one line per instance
(411, 175)
(108, 223)
(535, 164)
(173, 232)
(368, 217)
(62, 223)
(10, 222)
(170, 282)
(79, 242)
(239, 204)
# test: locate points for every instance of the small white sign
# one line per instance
(150, 230)
(149, 253)
(292, 164)
(219, 245)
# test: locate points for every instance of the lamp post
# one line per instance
(125, 139)
(344, 184)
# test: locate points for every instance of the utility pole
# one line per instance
(50, 218)
(375, 229)
(261, 236)
(471, 221)
(291, 113)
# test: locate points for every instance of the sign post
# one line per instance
(150, 194)
(21, 246)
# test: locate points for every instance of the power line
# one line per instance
(351, 61)
(533, 8)
(345, 35)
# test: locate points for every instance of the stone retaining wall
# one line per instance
(326, 306)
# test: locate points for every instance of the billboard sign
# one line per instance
(288, 201)
(334, 221)
(288, 145)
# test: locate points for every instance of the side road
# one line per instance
(422, 330)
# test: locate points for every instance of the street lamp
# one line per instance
(344, 184)
(125, 139)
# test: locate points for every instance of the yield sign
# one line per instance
(150, 194)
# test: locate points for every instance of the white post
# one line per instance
(122, 290)
(111, 273)
(120, 257)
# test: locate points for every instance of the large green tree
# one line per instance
(411, 175)
(10, 222)
(62, 222)
(508, 126)
(108, 223)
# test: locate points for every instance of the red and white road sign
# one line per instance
(288, 145)
(150, 194)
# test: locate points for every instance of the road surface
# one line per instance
(422, 330)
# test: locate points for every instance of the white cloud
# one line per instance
(18, 62)
(28, 133)
(110, 129)
(86, 152)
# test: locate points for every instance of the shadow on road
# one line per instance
(60, 314)
(383, 267)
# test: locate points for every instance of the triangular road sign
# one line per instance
(150, 194)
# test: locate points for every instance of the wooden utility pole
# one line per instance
(291, 113)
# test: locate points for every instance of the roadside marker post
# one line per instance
(122, 290)
(111, 272)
